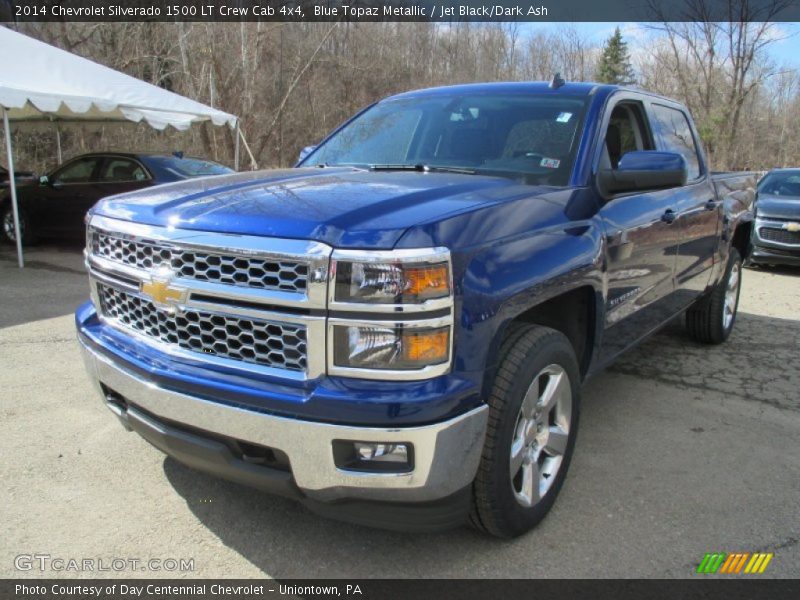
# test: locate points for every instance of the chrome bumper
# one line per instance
(446, 454)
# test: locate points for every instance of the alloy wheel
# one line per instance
(540, 435)
(8, 226)
(731, 295)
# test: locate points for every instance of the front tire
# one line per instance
(711, 320)
(7, 231)
(533, 421)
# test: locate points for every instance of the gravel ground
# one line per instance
(684, 449)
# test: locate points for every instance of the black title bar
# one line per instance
(398, 10)
(701, 587)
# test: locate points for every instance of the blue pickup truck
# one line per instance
(396, 331)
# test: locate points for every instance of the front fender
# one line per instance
(507, 279)
(738, 194)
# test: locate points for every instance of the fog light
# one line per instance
(382, 452)
(378, 457)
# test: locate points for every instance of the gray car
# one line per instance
(776, 232)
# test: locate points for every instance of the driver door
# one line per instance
(71, 190)
(641, 241)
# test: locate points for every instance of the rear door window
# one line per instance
(122, 169)
(673, 129)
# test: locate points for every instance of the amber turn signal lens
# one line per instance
(390, 348)
(428, 282)
(426, 347)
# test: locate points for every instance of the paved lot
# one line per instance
(683, 450)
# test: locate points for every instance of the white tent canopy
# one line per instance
(42, 81)
(45, 83)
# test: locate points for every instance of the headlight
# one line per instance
(391, 278)
(392, 314)
(393, 347)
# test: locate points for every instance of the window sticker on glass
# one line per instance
(550, 163)
(564, 117)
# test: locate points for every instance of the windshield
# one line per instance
(188, 167)
(781, 184)
(532, 138)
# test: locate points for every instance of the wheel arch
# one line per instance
(741, 238)
(575, 312)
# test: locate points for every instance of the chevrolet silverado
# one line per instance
(395, 332)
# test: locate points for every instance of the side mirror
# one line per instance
(44, 180)
(645, 170)
(305, 152)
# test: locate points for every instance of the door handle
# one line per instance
(669, 216)
(712, 204)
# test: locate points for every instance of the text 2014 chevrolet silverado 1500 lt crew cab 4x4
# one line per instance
(396, 331)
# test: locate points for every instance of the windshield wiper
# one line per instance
(422, 168)
(327, 165)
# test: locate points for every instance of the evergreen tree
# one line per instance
(615, 62)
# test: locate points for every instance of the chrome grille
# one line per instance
(245, 271)
(782, 236)
(268, 343)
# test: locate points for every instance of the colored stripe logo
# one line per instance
(734, 563)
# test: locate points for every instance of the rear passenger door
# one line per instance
(641, 240)
(699, 214)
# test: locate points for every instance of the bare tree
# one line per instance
(718, 65)
(293, 82)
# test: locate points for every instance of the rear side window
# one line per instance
(672, 127)
(122, 169)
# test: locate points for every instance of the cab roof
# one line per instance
(570, 88)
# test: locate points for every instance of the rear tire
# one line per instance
(711, 319)
(533, 422)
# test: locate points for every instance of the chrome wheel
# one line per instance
(731, 296)
(540, 435)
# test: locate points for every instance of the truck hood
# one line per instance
(778, 207)
(343, 207)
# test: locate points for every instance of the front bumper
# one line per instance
(762, 254)
(446, 454)
(773, 251)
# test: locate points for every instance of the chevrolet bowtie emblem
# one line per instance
(161, 291)
(791, 226)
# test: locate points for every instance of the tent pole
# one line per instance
(58, 143)
(236, 151)
(253, 163)
(12, 185)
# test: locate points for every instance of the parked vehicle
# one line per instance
(776, 233)
(56, 205)
(396, 332)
